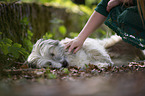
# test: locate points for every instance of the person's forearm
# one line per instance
(93, 23)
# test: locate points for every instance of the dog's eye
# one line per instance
(52, 54)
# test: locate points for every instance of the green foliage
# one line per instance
(66, 71)
(27, 41)
(51, 76)
(25, 21)
(9, 0)
(73, 34)
(16, 49)
(90, 2)
(48, 35)
(4, 45)
(58, 30)
(62, 30)
(48, 70)
(86, 9)
(87, 66)
(12, 50)
(66, 4)
(56, 21)
(27, 38)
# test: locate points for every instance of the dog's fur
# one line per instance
(102, 53)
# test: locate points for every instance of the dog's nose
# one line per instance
(64, 63)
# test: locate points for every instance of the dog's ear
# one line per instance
(42, 42)
(53, 42)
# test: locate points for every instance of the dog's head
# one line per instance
(48, 53)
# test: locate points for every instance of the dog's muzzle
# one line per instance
(64, 63)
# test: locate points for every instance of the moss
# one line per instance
(39, 17)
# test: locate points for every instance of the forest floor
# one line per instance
(73, 81)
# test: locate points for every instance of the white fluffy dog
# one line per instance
(102, 53)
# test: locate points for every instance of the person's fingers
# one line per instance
(108, 8)
(71, 48)
(111, 4)
(68, 45)
(76, 50)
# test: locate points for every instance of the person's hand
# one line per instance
(74, 45)
(113, 3)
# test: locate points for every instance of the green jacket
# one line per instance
(125, 21)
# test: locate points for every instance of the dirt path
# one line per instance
(116, 81)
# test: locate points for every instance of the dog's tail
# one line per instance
(107, 42)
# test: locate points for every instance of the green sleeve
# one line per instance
(101, 7)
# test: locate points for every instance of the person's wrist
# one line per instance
(81, 39)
